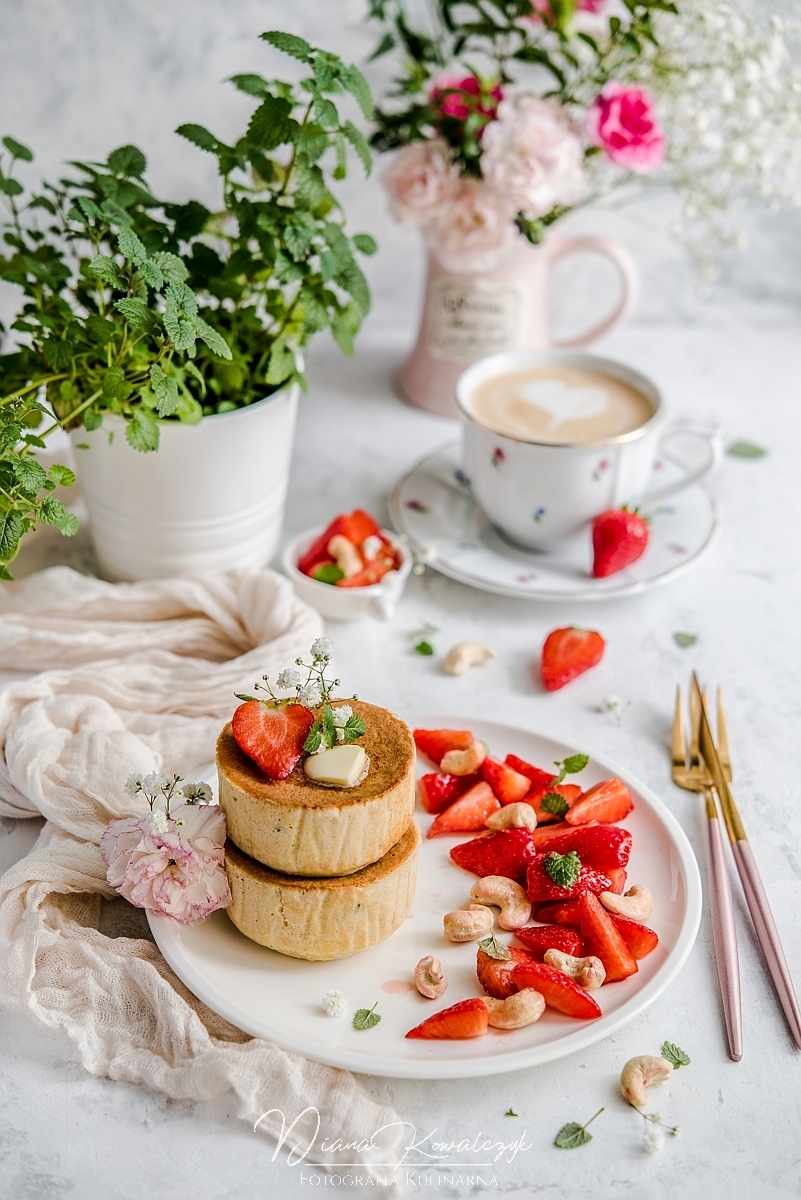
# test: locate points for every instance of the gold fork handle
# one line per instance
(724, 932)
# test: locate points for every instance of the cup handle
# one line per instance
(382, 606)
(710, 435)
(629, 277)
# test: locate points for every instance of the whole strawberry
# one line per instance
(619, 538)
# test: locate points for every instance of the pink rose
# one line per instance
(622, 121)
(456, 97)
(421, 179)
(533, 155)
(172, 866)
(474, 230)
(543, 10)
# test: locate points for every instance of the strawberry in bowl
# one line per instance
(353, 568)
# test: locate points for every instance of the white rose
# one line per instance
(532, 154)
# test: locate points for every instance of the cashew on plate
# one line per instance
(506, 895)
(523, 1008)
(513, 816)
(468, 924)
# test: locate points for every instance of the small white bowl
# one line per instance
(348, 604)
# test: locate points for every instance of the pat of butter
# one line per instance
(341, 766)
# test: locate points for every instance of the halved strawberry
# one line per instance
(539, 938)
(541, 888)
(438, 789)
(356, 526)
(435, 743)
(467, 1019)
(619, 538)
(507, 852)
(608, 801)
(495, 974)
(557, 989)
(537, 777)
(272, 734)
(543, 835)
(570, 792)
(507, 784)
(564, 913)
(601, 846)
(468, 813)
(567, 653)
(603, 939)
(372, 572)
(618, 877)
(639, 938)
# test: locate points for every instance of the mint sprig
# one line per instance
(552, 802)
(354, 728)
(572, 1135)
(570, 766)
(366, 1018)
(495, 949)
(675, 1055)
(562, 869)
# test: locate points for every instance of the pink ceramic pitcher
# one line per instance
(467, 316)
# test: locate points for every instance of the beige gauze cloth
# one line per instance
(140, 677)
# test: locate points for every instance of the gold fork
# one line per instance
(690, 773)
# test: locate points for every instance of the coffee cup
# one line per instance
(553, 438)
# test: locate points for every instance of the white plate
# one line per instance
(278, 998)
(434, 508)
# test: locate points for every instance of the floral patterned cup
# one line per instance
(539, 493)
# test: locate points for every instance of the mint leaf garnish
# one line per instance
(552, 802)
(745, 450)
(563, 869)
(328, 729)
(366, 1018)
(495, 949)
(328, 573)
(685, 639)
(314, 739)
(571, 766)
(354, 728)
(572, 1135)
(424, 648)
(675, 1055)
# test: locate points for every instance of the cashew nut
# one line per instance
(523, 1008)
(507, 895)
(464, 762)
(588, 972)
(513, 816)
(639, 1073)
(468, 924)
(347, 556)
(637, 904)
(428, 978)
(464, 655)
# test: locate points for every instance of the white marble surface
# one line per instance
(737, 358)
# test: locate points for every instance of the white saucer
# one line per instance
(434, 508)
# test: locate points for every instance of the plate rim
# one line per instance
(166, 934)
(513, 593)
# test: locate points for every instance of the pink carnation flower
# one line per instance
(420, 181)
(455, 96)
(533, 155)
(622, 121)
(474, 230)
(170, 866)
(543, 10)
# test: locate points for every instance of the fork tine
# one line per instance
(678, 749)
(695, 723)
(723, 739)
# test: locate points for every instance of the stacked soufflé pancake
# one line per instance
(322, 847)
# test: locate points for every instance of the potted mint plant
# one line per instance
(150, 326)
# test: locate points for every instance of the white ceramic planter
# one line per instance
(209, 499)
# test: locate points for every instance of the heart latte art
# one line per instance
(559, 404)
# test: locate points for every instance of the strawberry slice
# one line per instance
(564, 913)
(567, 653)
(507, 784)
(619, 538)
(618, 878)
(570, 793)
(386, 560)
(435, 743)
(541, 888)
(539, 938)
(639, 938)
(600, 846)
(438, 789)
(467, 1019)
(272, 734)
(603, 939)
(538, 779)
(507, 852)
(557, 989)
(608, 801)
(468, 813)
(356, 526)
(495, 974)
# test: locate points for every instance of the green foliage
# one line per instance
(155, 311)
(675, 1055)
(365, 1018)
(552, 802)
(563, 869)
(573, 1135)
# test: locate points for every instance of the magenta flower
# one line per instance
(622, 121)
(457, 97)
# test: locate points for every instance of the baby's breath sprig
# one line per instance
(167, 787)
(312, 690)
